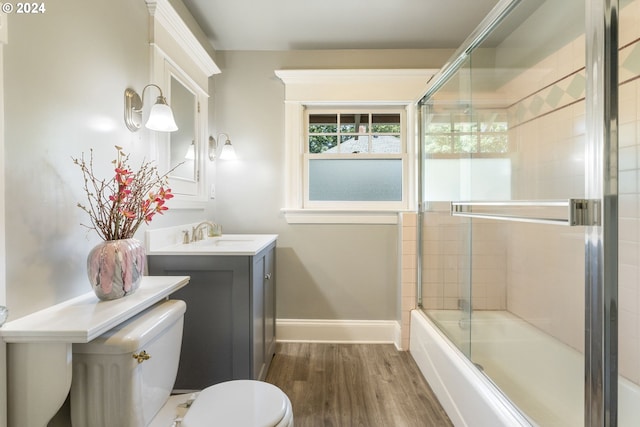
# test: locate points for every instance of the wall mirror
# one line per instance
(182, 67)
(183, 142)
(184, 148)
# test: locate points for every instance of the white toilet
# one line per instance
(124, 378)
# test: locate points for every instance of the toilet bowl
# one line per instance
(229, 401)
(124, 378)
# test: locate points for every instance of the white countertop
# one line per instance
(227, 244)
(81, 319)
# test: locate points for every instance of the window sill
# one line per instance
(329, 216)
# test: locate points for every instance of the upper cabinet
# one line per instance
(182, 67)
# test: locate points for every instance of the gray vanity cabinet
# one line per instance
(229, 326)
(264, 338)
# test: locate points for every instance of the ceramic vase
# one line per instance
(116, 267)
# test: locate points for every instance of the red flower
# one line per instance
(128, 214)
(166, 193)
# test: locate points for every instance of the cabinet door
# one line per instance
(258, 362)
(270, 306)
(216, 340)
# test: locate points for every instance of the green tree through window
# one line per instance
(480, 132)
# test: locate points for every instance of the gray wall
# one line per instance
(324, 271)
(65, 74)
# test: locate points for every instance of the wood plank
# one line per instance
(368, 385)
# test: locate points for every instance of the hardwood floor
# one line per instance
(367, 385)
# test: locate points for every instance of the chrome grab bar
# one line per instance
(580, 212)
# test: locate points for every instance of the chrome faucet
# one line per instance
(213, 230)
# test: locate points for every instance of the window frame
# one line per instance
(365, 89)
(352, 204)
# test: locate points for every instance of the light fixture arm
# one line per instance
(133, 111)
(160, 97)
(222, 133)
(213, 145)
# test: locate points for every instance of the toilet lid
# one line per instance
(241, 403)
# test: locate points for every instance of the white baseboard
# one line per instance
(338, 331)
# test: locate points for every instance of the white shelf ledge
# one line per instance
(81, 319)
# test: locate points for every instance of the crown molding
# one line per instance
(164, 14)
(355, 85)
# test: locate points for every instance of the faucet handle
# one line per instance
(185, 237)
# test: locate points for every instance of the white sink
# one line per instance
(234, 240)
(227, 244)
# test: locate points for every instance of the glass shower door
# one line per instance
(446, 123)
(517, 188)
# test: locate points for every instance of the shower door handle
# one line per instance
(579, 212)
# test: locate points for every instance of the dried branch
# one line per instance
(119, 206)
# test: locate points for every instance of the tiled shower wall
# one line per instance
(408, 272)
(545, 263)
(537, 271)
(546, 267)
(446, 265)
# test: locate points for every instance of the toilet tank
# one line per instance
(110, 387)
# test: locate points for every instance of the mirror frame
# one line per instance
(176, 52)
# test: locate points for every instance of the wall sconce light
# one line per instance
(191, 152)
(160, 116)
(227, 152)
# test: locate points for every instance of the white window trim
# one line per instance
(349, 88)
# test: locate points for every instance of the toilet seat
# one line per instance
(240, 403)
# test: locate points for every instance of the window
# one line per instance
(354, 158)
(350, 144)
(466, 155)
(483, 132)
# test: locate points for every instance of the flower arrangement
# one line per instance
(117, 207)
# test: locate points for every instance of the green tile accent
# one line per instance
(536, 104)
(577, 86)
(632, 63)
(521, 113)
(554, 96)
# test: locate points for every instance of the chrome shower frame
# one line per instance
(601, 185)
(601, 242)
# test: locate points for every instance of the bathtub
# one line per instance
(549, 397)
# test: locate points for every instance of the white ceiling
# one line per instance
(337, 24)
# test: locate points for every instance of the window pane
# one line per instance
(354, 123)
(355, 180)
(494, 143)
(354, 144)
(361, 144)
(385, 123)
(438, 144)
(323, 123)
(465, 144)
(461, 123)
(323, 143)
(386, 144)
